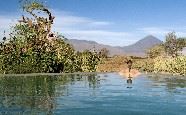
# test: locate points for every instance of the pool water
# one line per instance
(92, 94)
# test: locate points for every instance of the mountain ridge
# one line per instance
(136, 49)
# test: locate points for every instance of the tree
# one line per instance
(171, 46)
(103, 53)
(32, 47)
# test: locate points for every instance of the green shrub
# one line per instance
(33, 48)
(171, 65)
(144, 65)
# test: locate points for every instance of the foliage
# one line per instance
(156, 51)
(173, 45)
(181, 43)
(161, 64)
(171, 65)
(158, 62)
(112, 64)
(33, 48)
(103, 53)
(88, 61)
(144, 64)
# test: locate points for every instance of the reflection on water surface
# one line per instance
(92, 94)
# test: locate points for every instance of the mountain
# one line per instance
(81, 45)
(140, 47)
(137, 49)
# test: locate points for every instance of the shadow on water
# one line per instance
(37, 94)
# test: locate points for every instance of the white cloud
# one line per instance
(100, 23)
(97, 33)
(76, 27)
(102, 36)
(6, 22)
(67, 21)
(154, 30)
(181, 34)
(162, 31)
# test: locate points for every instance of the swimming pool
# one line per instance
(92, 94)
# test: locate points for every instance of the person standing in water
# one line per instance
(129, 63)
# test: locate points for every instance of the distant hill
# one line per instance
(136, 49)
(140, 47)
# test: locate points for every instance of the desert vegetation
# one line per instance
(32, 47)
(166, 57)
(162, 58)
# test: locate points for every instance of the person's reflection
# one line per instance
(129, 81)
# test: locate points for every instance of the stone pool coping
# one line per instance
(51, 74)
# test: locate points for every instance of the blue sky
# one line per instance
(111, 22)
